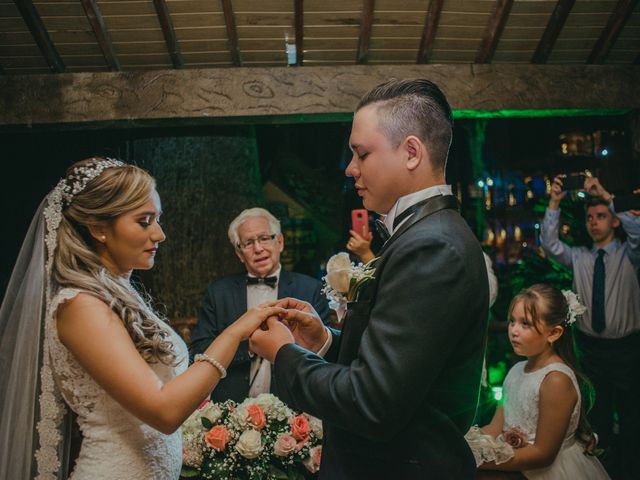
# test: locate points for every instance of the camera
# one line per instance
(573, 182)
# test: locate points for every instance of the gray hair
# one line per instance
(274, 223)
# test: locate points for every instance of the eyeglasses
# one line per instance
(263, 240)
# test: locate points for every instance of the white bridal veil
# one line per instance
(21, 358)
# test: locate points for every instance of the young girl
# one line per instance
(543, 415)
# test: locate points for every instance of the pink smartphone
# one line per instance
(360, 221)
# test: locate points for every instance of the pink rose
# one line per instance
(300, 428)
(256, 416)
(285, 444)
(217, 438)
(312, 463)
(515, 437)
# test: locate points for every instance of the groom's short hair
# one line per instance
(414, 107)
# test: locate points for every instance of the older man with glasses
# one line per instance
(258, 242)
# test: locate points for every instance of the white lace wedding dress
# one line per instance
(116, 445)
(522, 394)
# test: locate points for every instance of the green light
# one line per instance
(497, 393)
(537, 113)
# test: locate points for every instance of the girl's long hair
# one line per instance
(76, 263)
(544, 303)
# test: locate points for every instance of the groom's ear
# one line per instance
(415, 152)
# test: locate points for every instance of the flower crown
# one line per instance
(62, 195)
(576, 309)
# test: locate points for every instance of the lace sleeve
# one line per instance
(486, 448)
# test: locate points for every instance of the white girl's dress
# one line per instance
(521, 400)
(116, 445)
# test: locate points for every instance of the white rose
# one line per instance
(339, 261)
(316, 425)
(339, 280)
(249, 444)
(239, 416)
(211, 412)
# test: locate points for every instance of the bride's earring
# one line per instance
(103, 238)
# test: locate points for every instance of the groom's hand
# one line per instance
(267, 342)
(304, 322)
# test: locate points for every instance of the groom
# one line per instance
(398, 388)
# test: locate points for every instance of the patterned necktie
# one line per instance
(597, 304)
(270, 281)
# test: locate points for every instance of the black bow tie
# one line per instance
(270, 281)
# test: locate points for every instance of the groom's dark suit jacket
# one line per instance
(224, 302)
(401, 385)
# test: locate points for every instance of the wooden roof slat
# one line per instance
(232, 33)
(164, 17)
(366, 21)
(609, 35)
(430, 29)
(40, 35)
(298, 23)
(493, 31)
(551, 33)
(94, 15)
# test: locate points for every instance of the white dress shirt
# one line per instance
(405, 202)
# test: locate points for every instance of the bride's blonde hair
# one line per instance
(76, 263)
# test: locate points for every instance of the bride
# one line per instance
(74, 333)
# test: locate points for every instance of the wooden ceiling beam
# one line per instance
(493, 32)
(366, 24)
(551, 33)
(173, 47)
(298, 15)
(429, 32)
(94, 15)
(611, 31)
(281, 94)
(232, 33)
(32, 18)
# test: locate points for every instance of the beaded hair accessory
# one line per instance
(576, 309)
(62, 196)
(51, 405)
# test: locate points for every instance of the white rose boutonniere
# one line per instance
(344, 280)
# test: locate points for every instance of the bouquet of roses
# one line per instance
(258, 439)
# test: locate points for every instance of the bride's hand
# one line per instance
(244, 326)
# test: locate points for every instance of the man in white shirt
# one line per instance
(258, 242)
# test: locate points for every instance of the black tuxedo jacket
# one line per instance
(224, 302)
(401, 387)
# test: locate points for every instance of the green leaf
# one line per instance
(206, 423)
(277, 473)
(189, 472)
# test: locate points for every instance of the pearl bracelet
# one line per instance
(203, 357)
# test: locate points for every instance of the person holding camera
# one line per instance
(605, 277)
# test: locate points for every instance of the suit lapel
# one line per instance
(358, 314)
(239, 294)
(285, 285)
(435, 204)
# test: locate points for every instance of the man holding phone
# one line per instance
(608, 334)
